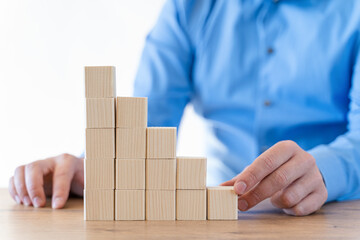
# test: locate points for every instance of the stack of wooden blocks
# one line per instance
(146, 181)
(100, 143)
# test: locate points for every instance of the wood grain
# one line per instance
(100, 113)
(99, 173)
(130, 143)
(191, 173)
(161, 142)
(222, 203)
(191, 204)
(338, 220)
(129, 204)
(161, 174)
(99, 204)
(100, 143)
(131, 112)
(130, 174)
(160, 205)
(100, 82)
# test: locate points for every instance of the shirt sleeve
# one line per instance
(164, 73)
(339, 161)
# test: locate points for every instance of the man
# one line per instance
(262, 73)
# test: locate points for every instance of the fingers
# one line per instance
(13, 192)
(296, 192)
(34, 178)
(265, 164)
(20, 185)
(63, 175)
(282, 177)
(309, 204)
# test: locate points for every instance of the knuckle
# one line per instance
(256, 196)
(309, 159)
(19, 170)
(288, 144)
(288, 199)
(269, 162)
(251, 178)
(66, 156)
(31, 166)
(280, 178)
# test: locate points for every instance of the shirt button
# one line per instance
(270, 50)
(267, 103)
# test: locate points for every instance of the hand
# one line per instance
(56, 176)
(285, 173)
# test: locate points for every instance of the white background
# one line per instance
(44, 46)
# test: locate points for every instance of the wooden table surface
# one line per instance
(334, 221)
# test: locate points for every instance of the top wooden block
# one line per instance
(161, 142)
(191, 173)
(100, 82)
(131, 112)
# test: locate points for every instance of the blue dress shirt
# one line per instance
(258, 72)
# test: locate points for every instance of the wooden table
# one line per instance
(334, 221)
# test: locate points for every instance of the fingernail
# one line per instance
(27, 201)
(17, 199)
(57, 202)
(243, 205)
(289, 211)
(37, 201)
(240, 188)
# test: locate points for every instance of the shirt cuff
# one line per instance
(332, 170)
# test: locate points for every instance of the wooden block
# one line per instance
(100, 143)
(100, 113)
(129, 204)
(160, 205)
(100, 82)
(161, 174)
(131, 112)
(99, 173)
(98, 204)
(191, 173)
(130, 174)
(191, 204)
(130, 143)
(222, 203)
(161, 142)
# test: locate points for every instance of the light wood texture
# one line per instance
(161, 142)
(100, 112)
(100, 82)
(191, 204)
(100, 143)
(99, 204)
(191, 173)
(161, 174)
(130, 174)
(99, 173)
(131, 112)
(222, 203)
(160, 205)
(130, 143)
(339, 220)
(129, 204)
